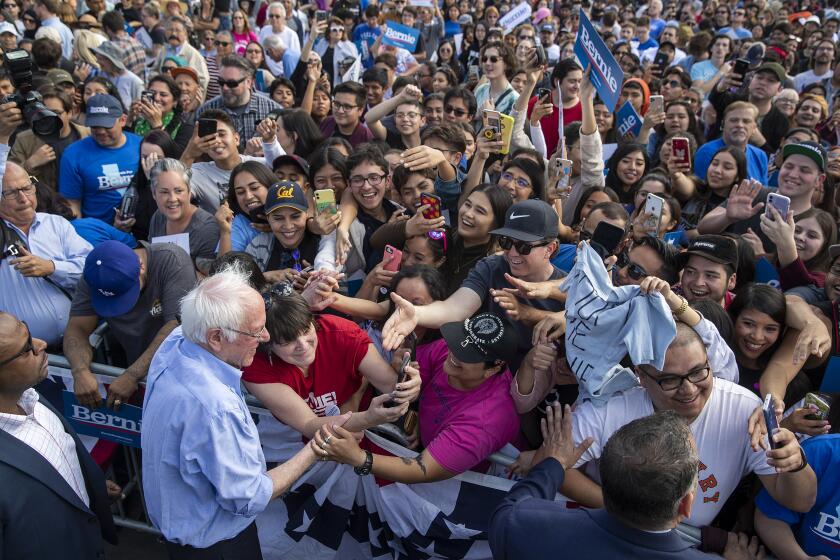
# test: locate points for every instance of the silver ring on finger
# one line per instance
(327, 440)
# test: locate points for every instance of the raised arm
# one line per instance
(373, 118)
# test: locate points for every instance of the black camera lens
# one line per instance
(45, 123)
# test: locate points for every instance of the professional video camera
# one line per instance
(43, 122)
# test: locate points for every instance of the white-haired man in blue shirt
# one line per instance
(204, 473)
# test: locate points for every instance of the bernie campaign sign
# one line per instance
(606, 75)
(120, 426)
(401, 36)
(514, 17)
(628, 121)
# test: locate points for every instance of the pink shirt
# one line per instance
(460, 429)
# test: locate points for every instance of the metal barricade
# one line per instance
(59, 366)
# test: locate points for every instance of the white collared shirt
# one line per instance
(42, 430)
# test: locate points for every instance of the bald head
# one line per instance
(685, 337)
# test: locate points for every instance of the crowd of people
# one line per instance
(271, 198)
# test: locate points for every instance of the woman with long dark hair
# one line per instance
(297, 133)
(242, 218)
(256, 54)
(727, 169)
(802, 244)
(162, 112)
(626, 168)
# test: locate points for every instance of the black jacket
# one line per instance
(40, 514)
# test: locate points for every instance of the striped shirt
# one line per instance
(244, 120)
(42, 430)
(134, 55)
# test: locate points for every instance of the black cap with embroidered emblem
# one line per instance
(716, 248)
(483, 338)
(529, 221)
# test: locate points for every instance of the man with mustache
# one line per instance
(177, 44)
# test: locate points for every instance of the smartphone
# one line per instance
(563, 171)
(653, 206)
(148, 96)
(492, 124)
(606, 238)
(679, 149)
(258, 216)
(540, 56)
(657, 104)
(544, 93)
(778, 201)
(660, 62)
(400, 377)
(821, 402)
(472, 72)
(769, 410)
(325, 201)
(742, 65)
(434, 203)
(321, 15)
(392, 258)
(207, 127)
(11, 251)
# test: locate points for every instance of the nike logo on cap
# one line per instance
(513, 216)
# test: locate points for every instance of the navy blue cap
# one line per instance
(112, 270)
(285, 194)
(103, 110)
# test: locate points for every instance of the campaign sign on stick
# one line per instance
(120, 426)
(628, 120)
(517, 15)
(606, 74)
(400, 36)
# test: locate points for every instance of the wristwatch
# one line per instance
(800, 467)
(366, 467)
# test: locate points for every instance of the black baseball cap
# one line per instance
(530, 221)
(291, 159)
(716, 248)
(483, 338)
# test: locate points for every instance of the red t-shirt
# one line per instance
(550, 122)
(334, 375)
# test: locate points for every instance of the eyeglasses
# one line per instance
(411, 115)
(336, 29)
(634, 271)
(522, 247)
(28, 347)
(375, 180)
(11, 194)
(258, 335)
(492, 59)
(672, 382)
(275, 16)
(340, 107)
(450, 110)
(519, 181)
(231, 83)
(222, 43)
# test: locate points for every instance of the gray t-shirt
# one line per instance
(169, 276)
(489, 273)
(203, 231)
(209, 183)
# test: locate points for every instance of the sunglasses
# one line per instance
(634, 271)
(450, 110)
(492, 59)
(336, 29)
(230, 83)
(28, 347)
(222, 43)
(522, 247)
(673, 83)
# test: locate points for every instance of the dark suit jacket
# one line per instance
(529, 524)
(40, 515)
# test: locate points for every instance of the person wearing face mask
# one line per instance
(289, 248)
(205, 475)
(170, 182)
(177, 45)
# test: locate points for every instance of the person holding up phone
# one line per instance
(315, 366)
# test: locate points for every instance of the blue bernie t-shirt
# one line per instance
(96, 231)
(818, 531)
(98, 176)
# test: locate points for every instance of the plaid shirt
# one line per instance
(245, 121)
(135, 55)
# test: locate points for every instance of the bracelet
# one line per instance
(683, 307)
(804, 462)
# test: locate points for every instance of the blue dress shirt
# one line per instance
(35, 300)
(203, 468)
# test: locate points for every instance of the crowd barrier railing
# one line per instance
(59, 366)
